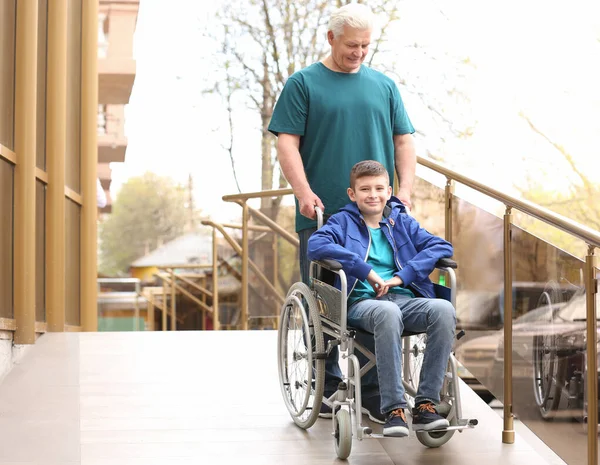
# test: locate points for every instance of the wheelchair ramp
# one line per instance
(194, 398)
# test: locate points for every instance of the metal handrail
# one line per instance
(590, 236)
(257, 195)
(584, 233)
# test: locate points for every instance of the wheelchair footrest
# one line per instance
(468, 424)
(458, 427)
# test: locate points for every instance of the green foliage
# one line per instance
(149, 211)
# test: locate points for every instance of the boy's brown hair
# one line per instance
(367, 168)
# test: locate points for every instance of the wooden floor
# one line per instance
(198, 398)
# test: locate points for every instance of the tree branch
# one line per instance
(567, 156)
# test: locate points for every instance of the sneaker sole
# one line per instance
(371, 417)
(443, 423)
(396, 432)
(326, 415)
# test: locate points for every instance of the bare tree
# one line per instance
(265, 42)
(581, 202)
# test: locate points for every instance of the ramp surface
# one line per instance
(193, 398)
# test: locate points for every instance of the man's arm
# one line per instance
(406, 161)
(288, 146)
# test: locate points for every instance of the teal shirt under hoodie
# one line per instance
(381, 258)
(342, 118)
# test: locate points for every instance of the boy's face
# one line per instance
(370, 194)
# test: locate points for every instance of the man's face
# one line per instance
(371, 194)
(349, 49)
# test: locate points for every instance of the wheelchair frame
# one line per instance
(346, 402)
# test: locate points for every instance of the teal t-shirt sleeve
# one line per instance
(402, 124)
(291, 109)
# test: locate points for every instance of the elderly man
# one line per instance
(329, 116)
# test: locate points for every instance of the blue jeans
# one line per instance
(387, 317)
(333, 374)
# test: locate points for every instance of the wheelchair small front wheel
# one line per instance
(435, 439)
(343, 434)
(300, 351)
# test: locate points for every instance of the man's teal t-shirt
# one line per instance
(342, 118)
(381, 258)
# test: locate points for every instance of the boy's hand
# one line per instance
(395, 281)
(379, 285)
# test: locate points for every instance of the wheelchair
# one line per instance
(307, 314)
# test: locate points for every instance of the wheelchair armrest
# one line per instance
(329, 264)
(446, 263)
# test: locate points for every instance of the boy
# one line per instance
(388, 258)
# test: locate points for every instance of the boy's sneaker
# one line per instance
(372, 406)
(395, 425)
(426, 418)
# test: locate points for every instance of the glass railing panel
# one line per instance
(478, 239)
(549, 327)
(428, 206)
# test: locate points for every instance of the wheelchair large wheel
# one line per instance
(549, 371)
(343, 434)
(301, 374)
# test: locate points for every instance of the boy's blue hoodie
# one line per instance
(346, 239)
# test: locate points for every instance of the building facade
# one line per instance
(52, 70)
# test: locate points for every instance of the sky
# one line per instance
(538, 58)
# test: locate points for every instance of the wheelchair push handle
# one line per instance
(319, 217)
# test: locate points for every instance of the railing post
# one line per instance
(448, 194)
(591, 288)
(136, 308)
(245, 257)
(508, 434)
(276, 277)
(164, 305)
(215, 277)
(202, 312)
(173, 302)
(150, 312)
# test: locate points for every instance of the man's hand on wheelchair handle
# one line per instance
(379, 285)
(307, 202)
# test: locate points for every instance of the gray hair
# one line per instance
(354, 15)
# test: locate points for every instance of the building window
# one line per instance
(40, 251)
(102, 36)
(73, 151)
(101, 119)
(72, 263)
(8, 21)
(6, 238)
(41, 84)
